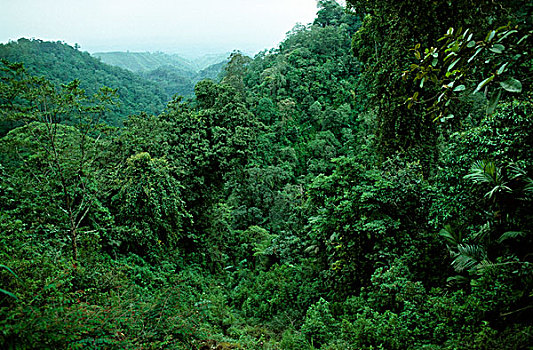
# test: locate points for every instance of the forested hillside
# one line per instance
(61, 63)
(147, 61)
(368, 184)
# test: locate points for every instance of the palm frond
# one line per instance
(451, 236)
(482, 171)
(483, 232)
(484, 265)
(468, 256)
(528, 189)
(16, 276)
(496, 189)
(516, 172)
(486, 172)
(510, 234)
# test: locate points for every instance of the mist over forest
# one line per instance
(366, 184)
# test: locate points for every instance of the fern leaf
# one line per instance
(483, 232)
(468, 256)
(510, 234)
(450, 235)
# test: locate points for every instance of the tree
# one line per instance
(149, 205)
(329, 13)
(235, 70)
(56, 149)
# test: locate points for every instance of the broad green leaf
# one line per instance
(507, 34)
(502, 68)
(471, 43)
(512, 85)
(490, 36)
(522, 39)
(475, 54)
(457, 280)
(459, 88)
(449, 85)
(453, 64)
(497, 48)
(449, 116)
(450, 55)
(483, 83)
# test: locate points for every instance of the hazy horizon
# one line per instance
(185, 28)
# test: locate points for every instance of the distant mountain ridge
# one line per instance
(147, 61)
(173, 73)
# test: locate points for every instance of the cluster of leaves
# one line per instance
(458, 62)
(384, 57)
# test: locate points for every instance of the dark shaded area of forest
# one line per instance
(366, 185)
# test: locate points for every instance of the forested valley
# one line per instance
(368, 184)
(173, 73)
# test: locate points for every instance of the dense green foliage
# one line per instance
(310, 199)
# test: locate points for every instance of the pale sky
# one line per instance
(197, 26)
